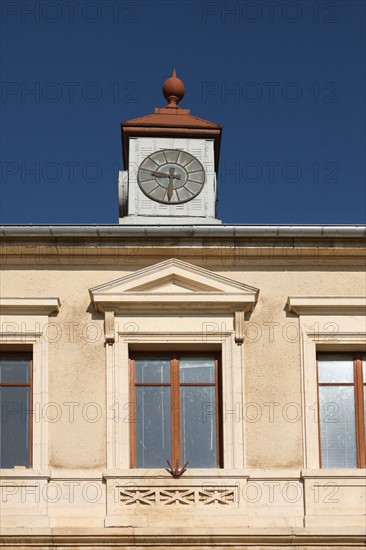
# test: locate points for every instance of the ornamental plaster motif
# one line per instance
(177, 496)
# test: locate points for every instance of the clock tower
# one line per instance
(171, 161)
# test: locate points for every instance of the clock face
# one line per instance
(171, 176)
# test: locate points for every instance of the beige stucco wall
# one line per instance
(270, 362)
(271, 351)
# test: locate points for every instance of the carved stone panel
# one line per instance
(177, 496)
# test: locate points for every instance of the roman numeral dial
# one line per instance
(171, 176)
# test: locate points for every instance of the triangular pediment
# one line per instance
(172, 282)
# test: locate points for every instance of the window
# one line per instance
(342, 412)
(176, 402)
(15, 406)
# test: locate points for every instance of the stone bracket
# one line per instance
(239, 327)
(109, 327)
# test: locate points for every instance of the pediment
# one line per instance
(169, 283)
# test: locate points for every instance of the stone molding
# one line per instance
(29, 306)
(173, 285)
(25, 321)
(323, 305)
(326, 323)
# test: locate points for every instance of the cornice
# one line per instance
(326, 247)
(325, 305)
(35, 306)
(128, 537)
(173, 285)
(187, 231)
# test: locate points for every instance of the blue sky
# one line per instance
(285, 79)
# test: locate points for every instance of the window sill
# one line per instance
(19, 473)
(161, 473)
(325, 473)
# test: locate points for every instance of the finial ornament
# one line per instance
(173, 90)
(179, 468)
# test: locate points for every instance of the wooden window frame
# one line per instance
(175, 386)
(358, 384)
(29, 356)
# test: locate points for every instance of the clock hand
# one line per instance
(171, 177)
(159, 174)
(163, 175)
(170, 185)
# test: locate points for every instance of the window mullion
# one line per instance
(175, 408)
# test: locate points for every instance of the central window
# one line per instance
(176, 400)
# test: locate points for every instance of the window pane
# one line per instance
(14, 426)
(364, 406)
(152, 370)
(364, 387)
(198, 426)
(337, 427)
(14, 369)
(197, 369)
(335, 368)
(153, 427)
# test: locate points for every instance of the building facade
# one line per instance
(172, 381)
